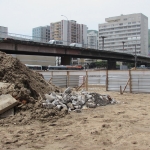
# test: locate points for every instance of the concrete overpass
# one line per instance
(27, 47)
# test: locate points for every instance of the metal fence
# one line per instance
(133, 81)
(75, 78)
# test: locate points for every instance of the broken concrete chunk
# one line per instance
(7, 102)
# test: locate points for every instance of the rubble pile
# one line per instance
(73, 101)
(37, 99)
(25, 85)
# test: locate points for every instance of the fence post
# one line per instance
(52, 76)
(107, 80)
(68, 78)
(130, 82)
(86, 81)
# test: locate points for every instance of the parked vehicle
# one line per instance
(34, 67)
(56, 42)
(76, 45)
(77, 67)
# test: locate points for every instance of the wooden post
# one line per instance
(52, 76)
(68, 78)
(106, 80)
(121, 90)
(126, 85)
(130, 81)
(86, 81)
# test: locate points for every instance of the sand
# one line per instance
(112, 127)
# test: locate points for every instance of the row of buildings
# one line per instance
(121, 33)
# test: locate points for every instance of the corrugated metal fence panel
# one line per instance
(97, 77)
(73, 81)
(141, 81)
(117, 79)
(60, 73)
(59, 80)
(81, 80)
(79, 73)
(93, 80)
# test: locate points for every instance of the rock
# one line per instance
(70, 105)
(68, 90)
(91, 105)
(50, 97)
(77, 110)
(59, 107)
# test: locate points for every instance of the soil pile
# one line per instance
(27, 85)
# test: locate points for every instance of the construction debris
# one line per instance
(73, 101)
(7, 102)
(35, 98)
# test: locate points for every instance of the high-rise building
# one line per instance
(3, 32)
(41, 34)
(92, 39)
(128, 29)
(68, 31)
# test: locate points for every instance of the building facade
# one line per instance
(131, 29)
(3, 32)
(68, 31)
(41, 34)
(92, 39)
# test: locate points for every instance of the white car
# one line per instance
(75, 45)
(56, 42)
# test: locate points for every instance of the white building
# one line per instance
(41, 34)
(131, 29)
(68, 31)
(92, 39)
(3, 32)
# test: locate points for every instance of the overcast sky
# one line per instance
(20, 16)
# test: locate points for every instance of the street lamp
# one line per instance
(103, 37)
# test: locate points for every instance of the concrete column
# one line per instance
(65, 60)
(111, 64)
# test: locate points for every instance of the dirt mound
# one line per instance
(28, 85)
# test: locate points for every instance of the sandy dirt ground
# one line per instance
(123, 126)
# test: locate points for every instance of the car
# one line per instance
(75, 45)
(56, 42)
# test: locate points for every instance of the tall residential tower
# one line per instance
(128, 29)
(68, 31)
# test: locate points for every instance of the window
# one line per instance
(125, 19)
(121, 24)
(129, 22)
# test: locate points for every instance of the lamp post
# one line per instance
(103, 37)
(67, 29)
(123, 45)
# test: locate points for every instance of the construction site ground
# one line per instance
(125, 125)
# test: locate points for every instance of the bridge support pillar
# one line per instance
(111, 64)
(65, 60)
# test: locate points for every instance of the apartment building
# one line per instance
(68, 31)
(129, 29)
(41, 34)
(92, 39)
(3, 32)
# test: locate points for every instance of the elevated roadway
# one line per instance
(28, 47)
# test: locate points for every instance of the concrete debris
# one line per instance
(7, 102)
(73, 101)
